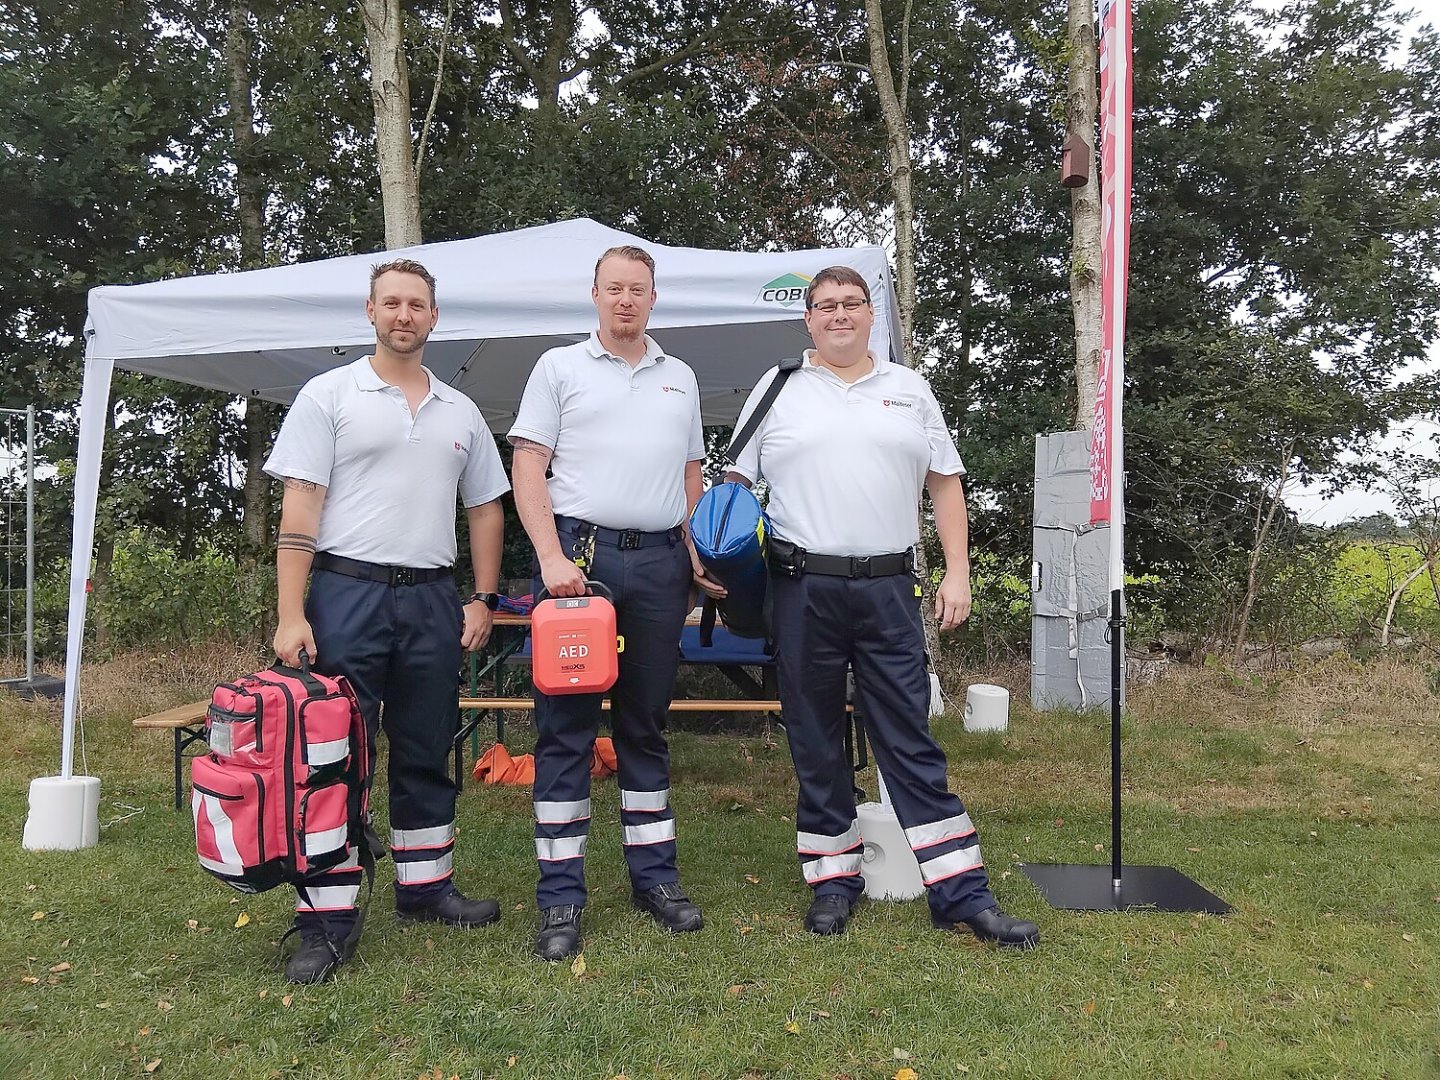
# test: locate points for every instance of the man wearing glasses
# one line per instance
(847, 447)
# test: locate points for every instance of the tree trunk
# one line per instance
(390, 93)
(259, 416)
(1398, 592)
(1081, 105)
(894, 107)
(100, 589)
(1262, 533)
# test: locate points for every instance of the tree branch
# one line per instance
(435, 93)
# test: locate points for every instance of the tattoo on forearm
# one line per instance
(530, 446)
(296, 542)
(296, 484)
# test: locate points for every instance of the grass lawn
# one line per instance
(1308, 800)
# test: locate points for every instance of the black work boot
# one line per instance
(452, 908)
(992, 924)
(559, 935)
(670, 907)
(828, 914)
(320, 953)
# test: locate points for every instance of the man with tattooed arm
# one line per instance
(372, 456)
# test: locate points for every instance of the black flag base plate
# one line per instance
(1082, 887)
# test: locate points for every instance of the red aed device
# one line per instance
(573, 645)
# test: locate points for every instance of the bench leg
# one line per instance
(179, 751)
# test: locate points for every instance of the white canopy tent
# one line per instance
(504, 299)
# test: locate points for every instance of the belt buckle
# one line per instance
(860, 566)
(402, 575)
(630, 540)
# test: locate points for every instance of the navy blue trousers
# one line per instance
(651, 589)
(825, 626)
(400, 648)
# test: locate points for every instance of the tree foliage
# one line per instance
(1284, 243)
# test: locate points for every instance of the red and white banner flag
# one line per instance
(1115, 112)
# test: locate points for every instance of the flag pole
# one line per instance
(1077, 886)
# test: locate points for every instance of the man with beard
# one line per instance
(372, 456)
(616, 424)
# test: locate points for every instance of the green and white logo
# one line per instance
(786, 290)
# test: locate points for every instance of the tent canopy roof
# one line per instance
(504, 299)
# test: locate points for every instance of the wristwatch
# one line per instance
(490, 599)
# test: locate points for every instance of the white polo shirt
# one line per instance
(619, 436)
(391, 478)
(846, 463)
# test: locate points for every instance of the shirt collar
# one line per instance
(366, 379)
(653, 351)
(879, 367)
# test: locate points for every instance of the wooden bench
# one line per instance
(187, 722)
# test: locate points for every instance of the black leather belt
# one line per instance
(789, 559)
(369, 571)
(624, 539)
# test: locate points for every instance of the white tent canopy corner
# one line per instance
(503, 299)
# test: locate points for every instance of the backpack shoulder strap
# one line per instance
(788, 367)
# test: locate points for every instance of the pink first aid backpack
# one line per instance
(285, 790)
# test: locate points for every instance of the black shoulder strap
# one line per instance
(788, 367)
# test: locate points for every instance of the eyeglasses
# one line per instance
(829, 307)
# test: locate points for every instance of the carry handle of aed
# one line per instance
(592, 588)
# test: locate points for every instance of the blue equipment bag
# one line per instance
(731, 531)
(731, 535)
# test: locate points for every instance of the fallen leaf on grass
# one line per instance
(102, 1004)
(142, 1033)
(752, 879)
(58, 968)
(37, 916)
(192, 924)
(243, 920)
(792, 1027)
(1088, 1008)
(906, 1073)
(823, 1013)
(736, 990)
(510, 1061)
(901, 1055)
(30, 980)
(1222, 1045)
(1192, 850)
(163, 1005)
(1368, 985)
(1407, 937)
(151, 1066)
(746, 929)
(577, 968)
(287, 999)
(264, 993)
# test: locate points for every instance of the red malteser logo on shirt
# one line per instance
(672, 390)
(892, 403)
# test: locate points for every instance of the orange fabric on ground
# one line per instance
(498, 766)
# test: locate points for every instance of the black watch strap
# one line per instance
(490, 599)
